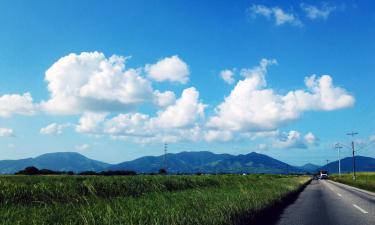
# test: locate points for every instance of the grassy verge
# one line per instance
(365, 180)
(141, 199)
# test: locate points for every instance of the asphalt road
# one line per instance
(326, 202)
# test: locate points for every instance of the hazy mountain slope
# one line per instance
(59, 161)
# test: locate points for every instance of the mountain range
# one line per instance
(362, 164)
(309, 167)
(208, 162)
(183, 162)
(59, 161)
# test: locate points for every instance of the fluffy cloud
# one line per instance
(183, 113)
(169, 69)
(251, 107)
(314, 12)
(130, 124)
(321, 95)
(260, 70)
(294, 139)
(16, 104)
(98, 88)
(164, 99)
(275, 13)
(53, 129)
(91, 82)
(179, 121)
(90, 122)
(6, 132)
(227, 76)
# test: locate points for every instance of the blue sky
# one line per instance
(180, 47)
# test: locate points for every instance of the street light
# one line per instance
(338, 147)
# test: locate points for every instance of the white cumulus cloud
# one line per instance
(164, 99)
(130, 124)
(183, 113)
(171, 69)
(178, 121)
(91, 82)
(252, 107)
(90, 122)
(16, 104)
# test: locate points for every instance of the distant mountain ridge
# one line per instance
(309, 167)
(183, 162)
(59, 161)
(362, 164)
(208, 162)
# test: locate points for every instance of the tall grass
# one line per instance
(364, 180)
(139, 200)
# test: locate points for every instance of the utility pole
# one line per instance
(339, 147)
(353, 151)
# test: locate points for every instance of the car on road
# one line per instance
(323, 175)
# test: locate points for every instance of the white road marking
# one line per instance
(360, 209)
(339, 194)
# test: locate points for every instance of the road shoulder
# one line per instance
(352, 187)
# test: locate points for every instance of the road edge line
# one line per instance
(355, 188)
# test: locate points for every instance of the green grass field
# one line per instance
(365, 180)
(206, 199)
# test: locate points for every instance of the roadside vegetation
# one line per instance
(205, 199)
(365, 180)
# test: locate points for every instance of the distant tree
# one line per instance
(70, 173)
(31, 170)
(162, 171)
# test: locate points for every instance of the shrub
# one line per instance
(31, 170)
(163, 171)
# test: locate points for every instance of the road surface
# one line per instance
(326, 202)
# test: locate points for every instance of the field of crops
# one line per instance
(365, 180)
(206, 199)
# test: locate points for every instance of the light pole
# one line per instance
(339, 147)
